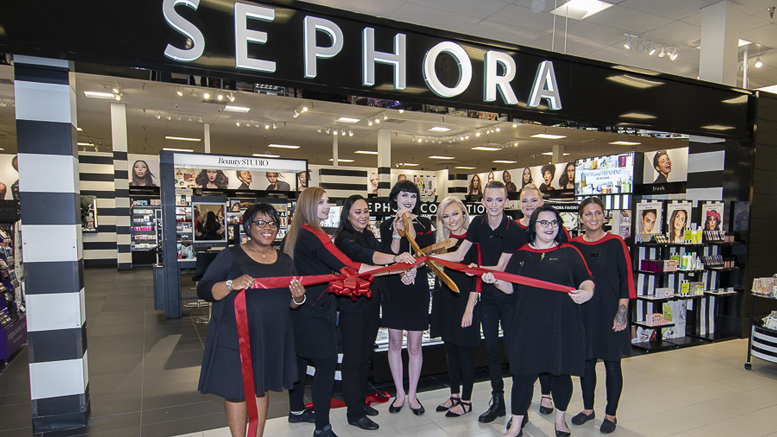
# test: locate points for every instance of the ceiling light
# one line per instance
(580, 9)
(231, 108)
(169, 116)
(673, 55)
(549, 136)
(189, 119)
(366, 152)
(420, 140)
(275, 125)
(717, 127)
(266, 155)
(304, 108)
(158, 116)
(662, 53)
(334, 132)
(401, 111)
(342, 132)
(350, 133)
(179, 92)
(624, 143)
(639, 116)
(237, 123)
(651, 49)
(758, 62)
(744, 42)
(465, 168)
(341, 160)
(79, 129)
(182, 138)
(349, 120)
(178, 117)
(377, 120)
(200, 119)
(369, 123)
(439, 129)
(84, 144)
(318, 130)
(498, 129)
(441, 157)
(193, 93)
(220, 97)
(296, 114)
(283, 146)
(385, 116)
(327, 130)
(117, 97)
(515, 124)
(267, 125)
(173, 149)
(502, 161)
(231, 97)
(206, 95)
(115, 89)
(478, 133)
(487, 149)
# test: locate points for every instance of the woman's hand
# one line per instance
(474, 266)
(406, 258)
(466, 320)
(621, 320)
(581, 296)
(409, 276)
(487, 277)
(242, 283)
(297, 292)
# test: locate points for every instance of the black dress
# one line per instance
(314, 322)
(448, 307)
(269, 323)
(547, 334)
(610, 263)
(406, 307)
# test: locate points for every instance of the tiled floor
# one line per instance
(144, 371)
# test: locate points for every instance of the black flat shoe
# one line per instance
(418, 411)
(582, 418)
(545, 410)
(563, 433)
(466, 406)
(393, 409)
(523, 423)
(454, 402)
(364, 423)
(607, 426)
(368, 410)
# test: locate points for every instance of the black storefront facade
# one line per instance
(326, 50)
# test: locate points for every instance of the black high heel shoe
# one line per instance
(393, 409)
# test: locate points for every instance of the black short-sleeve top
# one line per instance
(492, 243)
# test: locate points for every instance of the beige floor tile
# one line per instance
(732, 427)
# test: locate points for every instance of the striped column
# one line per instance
(457, 185)
(95, 171)
(121, 182)
(52, 246)
(340, 182)
(706, 162)
(384, 162)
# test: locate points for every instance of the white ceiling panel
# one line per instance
(673, 9)
(480, 9)
(426, 16)
(676, 32)
(382, 8)
(523, 18)
(619, 17)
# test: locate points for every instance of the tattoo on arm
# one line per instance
(620, 317)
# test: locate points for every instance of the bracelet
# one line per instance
(304, 298)
(395, 259)
(396, 236)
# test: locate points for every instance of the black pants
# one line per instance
(461, 369)
(494, 309)
(545, 384)
(358, 330)
(614, 385)
(523, 389)
(323, 385)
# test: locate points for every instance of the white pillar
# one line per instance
(121, 185)
(206, 137)
(719, 43)
(384, 162)
(558, 153)
(335, 151)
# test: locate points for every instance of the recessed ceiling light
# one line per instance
(717, 127)
(173, 149)
(79, 129)
(366, 152)
(84, 144)
(341, 160)
(549, 136)
(744, 42)
(465, 168)
(282, 146)
(99, 95)
(488, 149)
(639, 116)
(409, 164)
(625, 143)
(502, 161)
(266, 155)
(182, 138)
(232, 108)
(441, 157)
(580, 9)
(349, 120)
(551, 154)
(439, 129)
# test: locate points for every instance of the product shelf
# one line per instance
(642, 324)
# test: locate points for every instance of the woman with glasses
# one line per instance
(360, 319)
(547, 334)
(269, 320)
(605, 317)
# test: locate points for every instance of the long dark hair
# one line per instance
(211, 224)
(531, 179)
(408, 187)
(221, 179)
(531, 232)
(345, 223)
(147, 180)
(256, 209)
(563, 180)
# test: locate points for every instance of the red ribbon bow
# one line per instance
(351, 284)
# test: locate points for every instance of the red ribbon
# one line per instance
(352, 284)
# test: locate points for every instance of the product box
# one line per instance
(654, 319)
(664, 292)
(658, 265)
(696, 287)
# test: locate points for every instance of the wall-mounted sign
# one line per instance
(220, 162)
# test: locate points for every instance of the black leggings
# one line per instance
(545, 384)
(523, 390)
(461, 369)
(614, 385)
(323, 385)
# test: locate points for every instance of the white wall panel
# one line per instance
(57, 378)
(40, 239)
(53, 311)
(60, 168)
(37, 101)
(708, 161)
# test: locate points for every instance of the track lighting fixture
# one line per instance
(629, 40)
(157, 116)
(237, 123)
(275, 125)
(350, 132)
(169, 116)
(193, 93)
(231, 97)
(178, 117)
(662, 53)
(220, 97)
(758, 62)
(179, 91)
(206, 95)
(200, 120)
(190, 118)
(318, 130)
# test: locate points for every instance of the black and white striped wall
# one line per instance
(457, 185)
(706, 164)
(52, 244)
(97, 176)
(341, 182)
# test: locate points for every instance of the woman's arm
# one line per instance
(584, 292)
(297, 294)
(390, 258)
(466, 320)
(458, 255)
(621, 317)
(503, 286)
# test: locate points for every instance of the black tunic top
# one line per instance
(609, 261)
(269, 323)
(547, 334)
(360, 247)
(448, 307)
(314, 322)
(491, 244)
(406, 306)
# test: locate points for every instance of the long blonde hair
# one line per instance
(443, 233)
(304, 214)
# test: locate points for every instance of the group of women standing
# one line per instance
(552, 333)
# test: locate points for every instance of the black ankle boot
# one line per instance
(496, 409)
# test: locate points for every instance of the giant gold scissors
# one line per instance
(422, 252)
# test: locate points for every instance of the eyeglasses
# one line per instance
(261, 224)
(548, 224)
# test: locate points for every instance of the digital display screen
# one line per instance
(611, 174)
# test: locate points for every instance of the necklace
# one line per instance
(542, 257)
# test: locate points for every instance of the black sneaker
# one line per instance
(307, 416)
(324, 432)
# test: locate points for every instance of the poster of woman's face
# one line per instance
(664, 166)
(649, 217)
(143, 170)
(712, 216)
(679, 219)
(372, 186)
(9, 177)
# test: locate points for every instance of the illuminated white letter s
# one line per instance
(184, 27)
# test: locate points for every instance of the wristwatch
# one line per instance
(229, 284)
